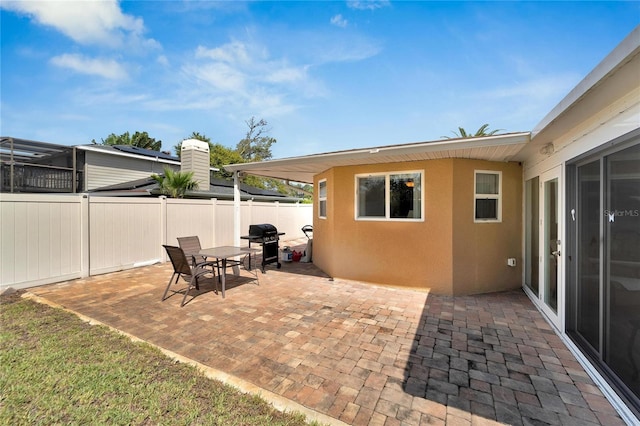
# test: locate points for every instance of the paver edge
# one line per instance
(277, 401)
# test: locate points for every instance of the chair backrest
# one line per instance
(189, 245)
(178, 260)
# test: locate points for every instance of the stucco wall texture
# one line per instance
(446, 253)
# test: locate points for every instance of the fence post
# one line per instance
(214, 208)
(85, 228)
(163, 226)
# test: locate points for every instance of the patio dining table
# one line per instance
(223, 254)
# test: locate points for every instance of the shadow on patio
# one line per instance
(494, 357)
(349, 352)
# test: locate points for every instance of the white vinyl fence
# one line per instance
(53, 238)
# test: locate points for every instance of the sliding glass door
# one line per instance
(604, 266)
(588, 219)
(622, 265)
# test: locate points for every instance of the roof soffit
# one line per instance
(303, 169)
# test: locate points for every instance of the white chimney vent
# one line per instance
(194, 157)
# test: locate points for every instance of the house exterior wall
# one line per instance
(481, 250)
(105, 169)
(436, 253)
(323, 234)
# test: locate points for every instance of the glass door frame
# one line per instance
(557, 316)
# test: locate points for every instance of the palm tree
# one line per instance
(482, 131)
(175, 184)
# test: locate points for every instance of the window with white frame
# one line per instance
(389, 196)
(488, 196)
(322, 198)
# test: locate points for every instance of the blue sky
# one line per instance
(326, 75)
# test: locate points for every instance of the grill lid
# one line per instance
(262, 229)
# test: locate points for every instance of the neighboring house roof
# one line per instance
(28, 151)
(134, 152)
(302, 169)
(218, 188)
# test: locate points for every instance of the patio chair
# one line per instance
(192, 245)
(182, 268)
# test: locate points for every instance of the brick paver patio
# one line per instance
(355, 353)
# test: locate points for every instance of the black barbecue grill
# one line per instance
(268, 236)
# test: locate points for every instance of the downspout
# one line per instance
(236, 208)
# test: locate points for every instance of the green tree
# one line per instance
(175, 184)
(256, 145)
(221, 155)
(139, 139)
(482, 131)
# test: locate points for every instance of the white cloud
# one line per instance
(522, 101)
(537, 88)
(243, 76)
(236, 65)
(287, 75)
(163, 60)
(339, 21)
(233, 53)
(106, 68)
(368, 4)
(86, 22)
(219, 76)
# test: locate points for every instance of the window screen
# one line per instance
(487, 196)
(322, 198)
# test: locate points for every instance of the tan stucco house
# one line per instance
(554, 211)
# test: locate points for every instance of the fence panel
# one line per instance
(41, 239)
(288, 218)
(292, 217)
(124, 232)
(191, 217)
(51, 238)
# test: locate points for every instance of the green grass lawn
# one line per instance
(57, 369)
